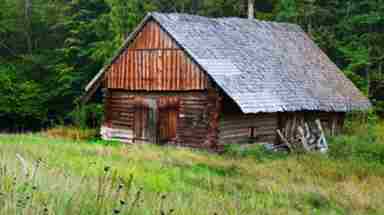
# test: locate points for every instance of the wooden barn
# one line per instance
(204, 82)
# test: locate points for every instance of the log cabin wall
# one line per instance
(198, 121)
(124, 117)
(236, 127)
(187, 119)
(247, 128)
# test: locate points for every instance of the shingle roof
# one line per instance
(264, 66)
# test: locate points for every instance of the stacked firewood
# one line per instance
(300, 135)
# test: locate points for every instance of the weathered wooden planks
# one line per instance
(153, 37)
(155, 70)
(187, 119)
(239, 127)
(168, 115)
(154, 62)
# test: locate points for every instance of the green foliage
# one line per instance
(49, 54)
(287, 11)
(90, 115)
(364, 141)
(362, 124)
(21, 99)
(357, 148)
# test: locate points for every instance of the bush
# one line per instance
(22, 101)
(379, 131)
(363, 141)
(87, 116)
(359, 123)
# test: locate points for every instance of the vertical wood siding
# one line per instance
(154, 62)
(153, 37)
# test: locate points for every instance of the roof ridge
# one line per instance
(220, 19)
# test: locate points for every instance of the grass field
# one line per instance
(95, 177)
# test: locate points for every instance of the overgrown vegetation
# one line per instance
(49, 50)
(71, 133)
(99, 177)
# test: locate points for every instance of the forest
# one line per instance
(50, 49)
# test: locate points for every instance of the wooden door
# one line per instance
(167, 119)
(145, 120)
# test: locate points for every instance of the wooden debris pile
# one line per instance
(300, 135)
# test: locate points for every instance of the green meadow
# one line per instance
(40, 174)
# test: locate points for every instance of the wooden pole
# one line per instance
(285, 141)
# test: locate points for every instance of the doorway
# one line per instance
(167, 119)
(156, 119)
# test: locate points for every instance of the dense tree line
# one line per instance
(49, 49)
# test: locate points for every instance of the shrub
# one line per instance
(359, 123)
(379, 132)
(365, 143)
(87, 116)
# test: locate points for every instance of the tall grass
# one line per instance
(82, 177)
(70, 133)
